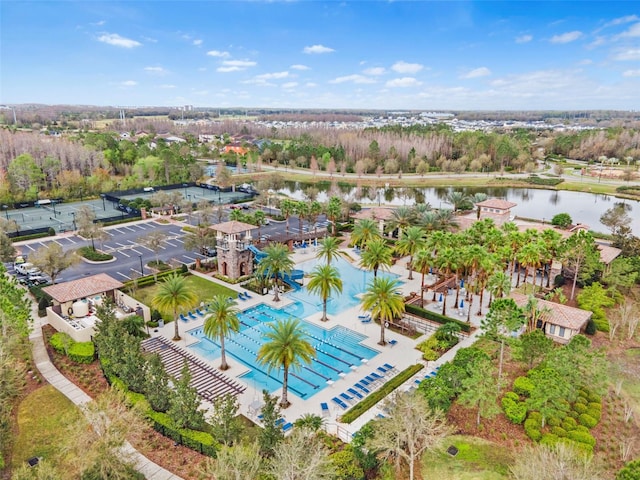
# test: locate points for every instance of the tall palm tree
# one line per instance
(422, 262)
(498, 285)
(174, 294)
(315, 209)
(302, 210)
(384, 300)
(329, 249)
(446, 220)
(324, 281)
(376, 256)
(412, 240)
(447, 261)
(222, 320)
(457, 200)
(530, 255)
(364, 231)
(277, 262)
(428, 220)
(286, 347)
(552, 241)
(287, 207)
(334, 210)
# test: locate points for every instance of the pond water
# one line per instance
(531, 203)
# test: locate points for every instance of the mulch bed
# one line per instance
(177, 459)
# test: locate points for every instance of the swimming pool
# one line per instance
(339, 351)
(354, 282)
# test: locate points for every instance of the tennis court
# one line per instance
(196, 194)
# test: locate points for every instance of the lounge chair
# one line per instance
(340, 403)
(241, 297)
(383, 370)
(246, 295)
(366, 320)
(389, 367)
(363, 316)
(362, 387)
(355, 393)
(287, 426)
(346, 397)
(371, 379)
(325, 409)
(280, 421)
(191, 315)
(393, 342)
(365, 382)
(380, 416)
(183, 318)
(376, 376)
(199, 312)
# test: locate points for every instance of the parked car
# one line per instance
(27, 269)
(31, 280)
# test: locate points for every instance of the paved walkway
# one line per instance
(145, 466)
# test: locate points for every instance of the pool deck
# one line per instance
(401, 354)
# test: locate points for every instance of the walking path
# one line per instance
(51, 374)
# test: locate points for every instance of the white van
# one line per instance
(27, 269)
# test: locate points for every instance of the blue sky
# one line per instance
(459, 55)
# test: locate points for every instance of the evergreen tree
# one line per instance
(157, 384)
(184, 407)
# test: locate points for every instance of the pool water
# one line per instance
(354, 282)
(339, 351)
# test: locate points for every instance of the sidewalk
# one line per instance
(52, 375)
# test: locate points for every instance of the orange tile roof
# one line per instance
(232, 227)
(497, 203)
(561, 315)
(82, 288)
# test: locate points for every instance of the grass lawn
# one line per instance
(204, 290)
(42, 418)
(476, 460)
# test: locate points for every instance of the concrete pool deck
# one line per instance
(401, 354)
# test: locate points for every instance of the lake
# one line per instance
(531, 203)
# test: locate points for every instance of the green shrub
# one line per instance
(369, 401)
(550, 182)
(631, 471)
(61, 342)
(595, 413)
(532, 431)
(569, 423)
(582, 399)
(587, 420)
(549, 439)
(428, 349)
(346, 464)
(594, 405)
(512, 395)
(82, 352)
(591, 327)
(562, 220)
(95, 256)
(582, 428)
(580, 407)
(559, 431)
(31, 236)
(582, 437)
(573, 414)
(581, 448)
(594, 397)
(535, 416)
(554, 421)
(51, 232)
(515, 411)
(523, 386)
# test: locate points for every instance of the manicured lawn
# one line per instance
(42, 418)
(476, 460)
(204, 290)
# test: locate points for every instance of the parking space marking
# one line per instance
(58, 242)
(121, 252)
(30, 248)
(70, 240)
(123, 275)
(169, 243)
(129, 228)
(178, 240)
(134, 250)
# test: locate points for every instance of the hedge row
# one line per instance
(29, 237)
(359, 408)
(150, 280)
(91, 254)
(436, 317)
(79, 352)
(534, 180)
(122, 220)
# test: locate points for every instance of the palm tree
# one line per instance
(530, 256)
(222, 320)
(446, 220)
(364, 231)
(277, 262)
(287, 207)
(428, 220)
(402, 217)
(302, 210)
(259, 218)
(552, 241)
(412, 240)
(477, 198)
(422, 262)
(384, 300)
(457, 199)
(286, 347)
(315, 209)
(324, 281)
(334, 210)
(236, 215)
(376, 256)
(499, 284)
(447, 261)
(174, 294)
(329, 249)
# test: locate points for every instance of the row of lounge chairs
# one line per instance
(361, 388)
(192, 315)
(281, 422)
(244, 296)
(433, 373)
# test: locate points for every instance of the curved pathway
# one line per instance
(52, 375)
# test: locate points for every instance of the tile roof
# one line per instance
(608, 254)
(82, 288)
(561, 315)
(497, 203)
(233, 227)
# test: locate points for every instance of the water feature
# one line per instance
(583, 207)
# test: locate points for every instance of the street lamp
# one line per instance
(6, 210)
(104, 207)
(53, 204)
(141, 267)
(74, 220)
(185, 189)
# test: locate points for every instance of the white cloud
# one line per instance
(566, 37)
(524, 38)
(586, 61)
(202, 69)
(270, 76)
(404, 67)
(129, 83)
(375, 71)
(118, 41)
(289, 85)
(317, 49)
(297, 66)
(632, 32)
(228, 69)
(167, 85)
(218, 53)
(403, 82)
(310, 85)
(239, 63)
(626, 55)
(477, 72)
(622, 20)
(355, 78)
(197, 42)
(98, 24)
(156, 70)
(201, 92)
(631, 73)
